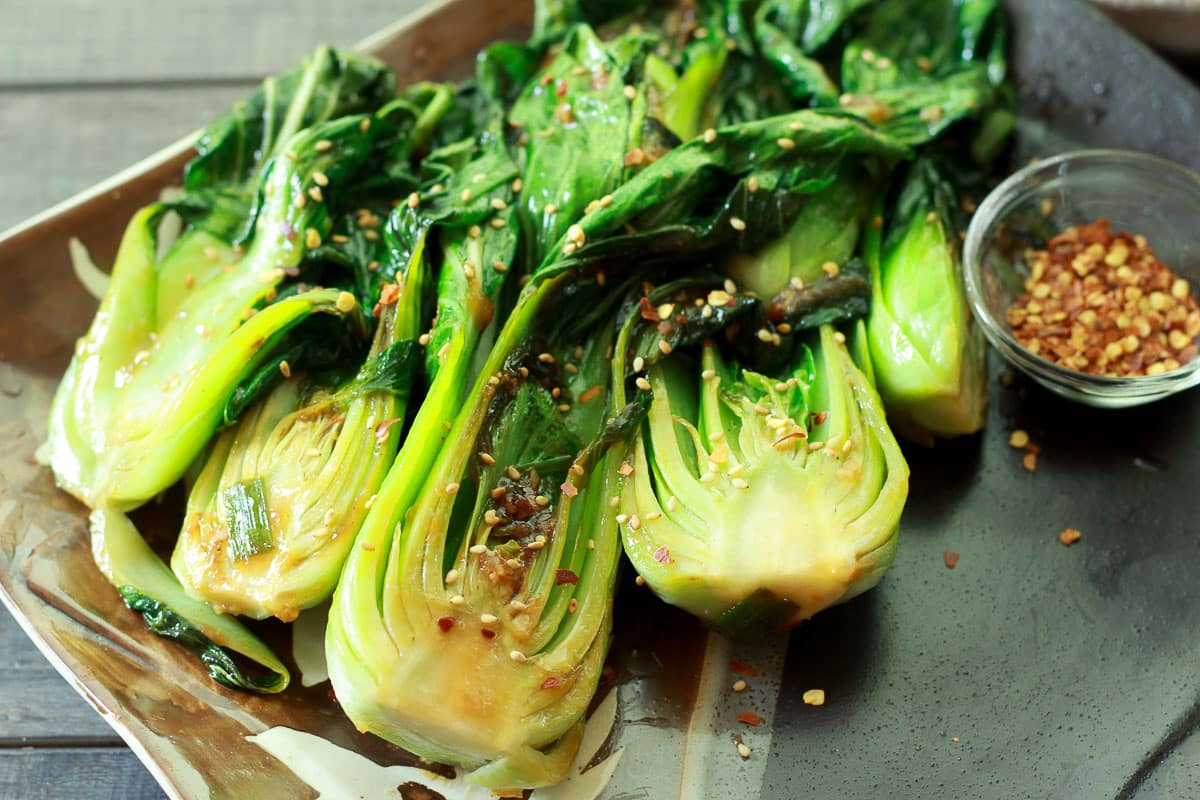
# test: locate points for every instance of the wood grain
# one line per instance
(36, 706)
(85, 773)
(73, 42)
(57, 143)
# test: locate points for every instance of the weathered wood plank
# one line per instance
(68, 42)
(54, 144)
(36, 704)
(91, 773)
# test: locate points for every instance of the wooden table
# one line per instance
(87, 88)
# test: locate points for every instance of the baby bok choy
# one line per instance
(176, 335)
(755, 501)
(472, 618)
(929, 356)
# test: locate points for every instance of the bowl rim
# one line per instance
(1005, 194)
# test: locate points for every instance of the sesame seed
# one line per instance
(312, 239)
(639, 364)
(517, 605)
(468, 269)
(289, 155)
(672, 503)
(423, 339)
(591, 544)
(737, 223)
(796, 283)
(739, 686)
(365, 125)
(575, 234)
(664, 346)
(630, 92)
(606, 201)
(797, 125)
(517, 656)
(478, 549)
(488, 619)
(466, 195)
(452, 488)
(499, 204)
(635, 522)
(491, 518)
(763, 335)
(564, 407)
(345, 302)
(551, 209)
(499, 266)
(512, 473)
(743, 751)
(516, 185)
(752, 184)
(474, 232)
(542, 500)
(710, 136)
(301, 201)
(457, 600)
(740, 483)
(708, 477)
(452, 576)
(785, 143)
(323, 146)
(546, 358)
(708, 374)
(487, 458)
(643, 384)
(414, 200)
(622, 519)
(830, 268)
(320, 178)
(614, 501)
(285, 369)
(839, 337)
(639, 580)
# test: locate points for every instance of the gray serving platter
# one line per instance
(1030, 670)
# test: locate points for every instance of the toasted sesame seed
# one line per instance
(345, 302)
(737, 223)
(739, 685)
(546, 358)
(312, 238)
(743, 751)
(517, 605)
(639, 364)
(752, 184)
(487, 458)
(575, 234)
(606, 201)
(635, 522)
(643, 384)
(452, 576)
(488, 619)
(466, 195)
(564, 407)
(639, 580)
(708, 374)
(512, 473)
(785, 143)
(839, 337)
(365, 125)
(457, 600)
(517, 656)
(622, 519)
(797, 125)
(499, 266)
(551, 209)
(452, 488)
(289, 155)
(423, 339)
(499, 204)
(491, 518)
(285, 369)
(830, 268)
(542, 500)
(630, 92)
(664, 346)
(710, 136)
(478, 549)
(320, 178)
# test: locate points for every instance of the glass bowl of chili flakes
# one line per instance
(1081, 269)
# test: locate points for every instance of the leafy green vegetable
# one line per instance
(755, 502)
(149, 587)
(929, 355)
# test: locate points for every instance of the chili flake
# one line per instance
(740, 668)
(1069, 537)
(750, 718)
(951, 559)
(1104, 304)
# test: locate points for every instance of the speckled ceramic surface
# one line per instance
(1030, 670)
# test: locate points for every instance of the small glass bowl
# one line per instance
(1138, 193)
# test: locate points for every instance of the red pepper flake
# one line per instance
(562, 576)
(951, 558)
(750, 718)
(569, 489)
(381, 430)
(561, 88)
(1070, 536)
(819, 419)
(741, 668)
(663, 555)
(488, 633)
(552, 683)
(445, 623)
(591, 393)
(389, 294)
(649, 312)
